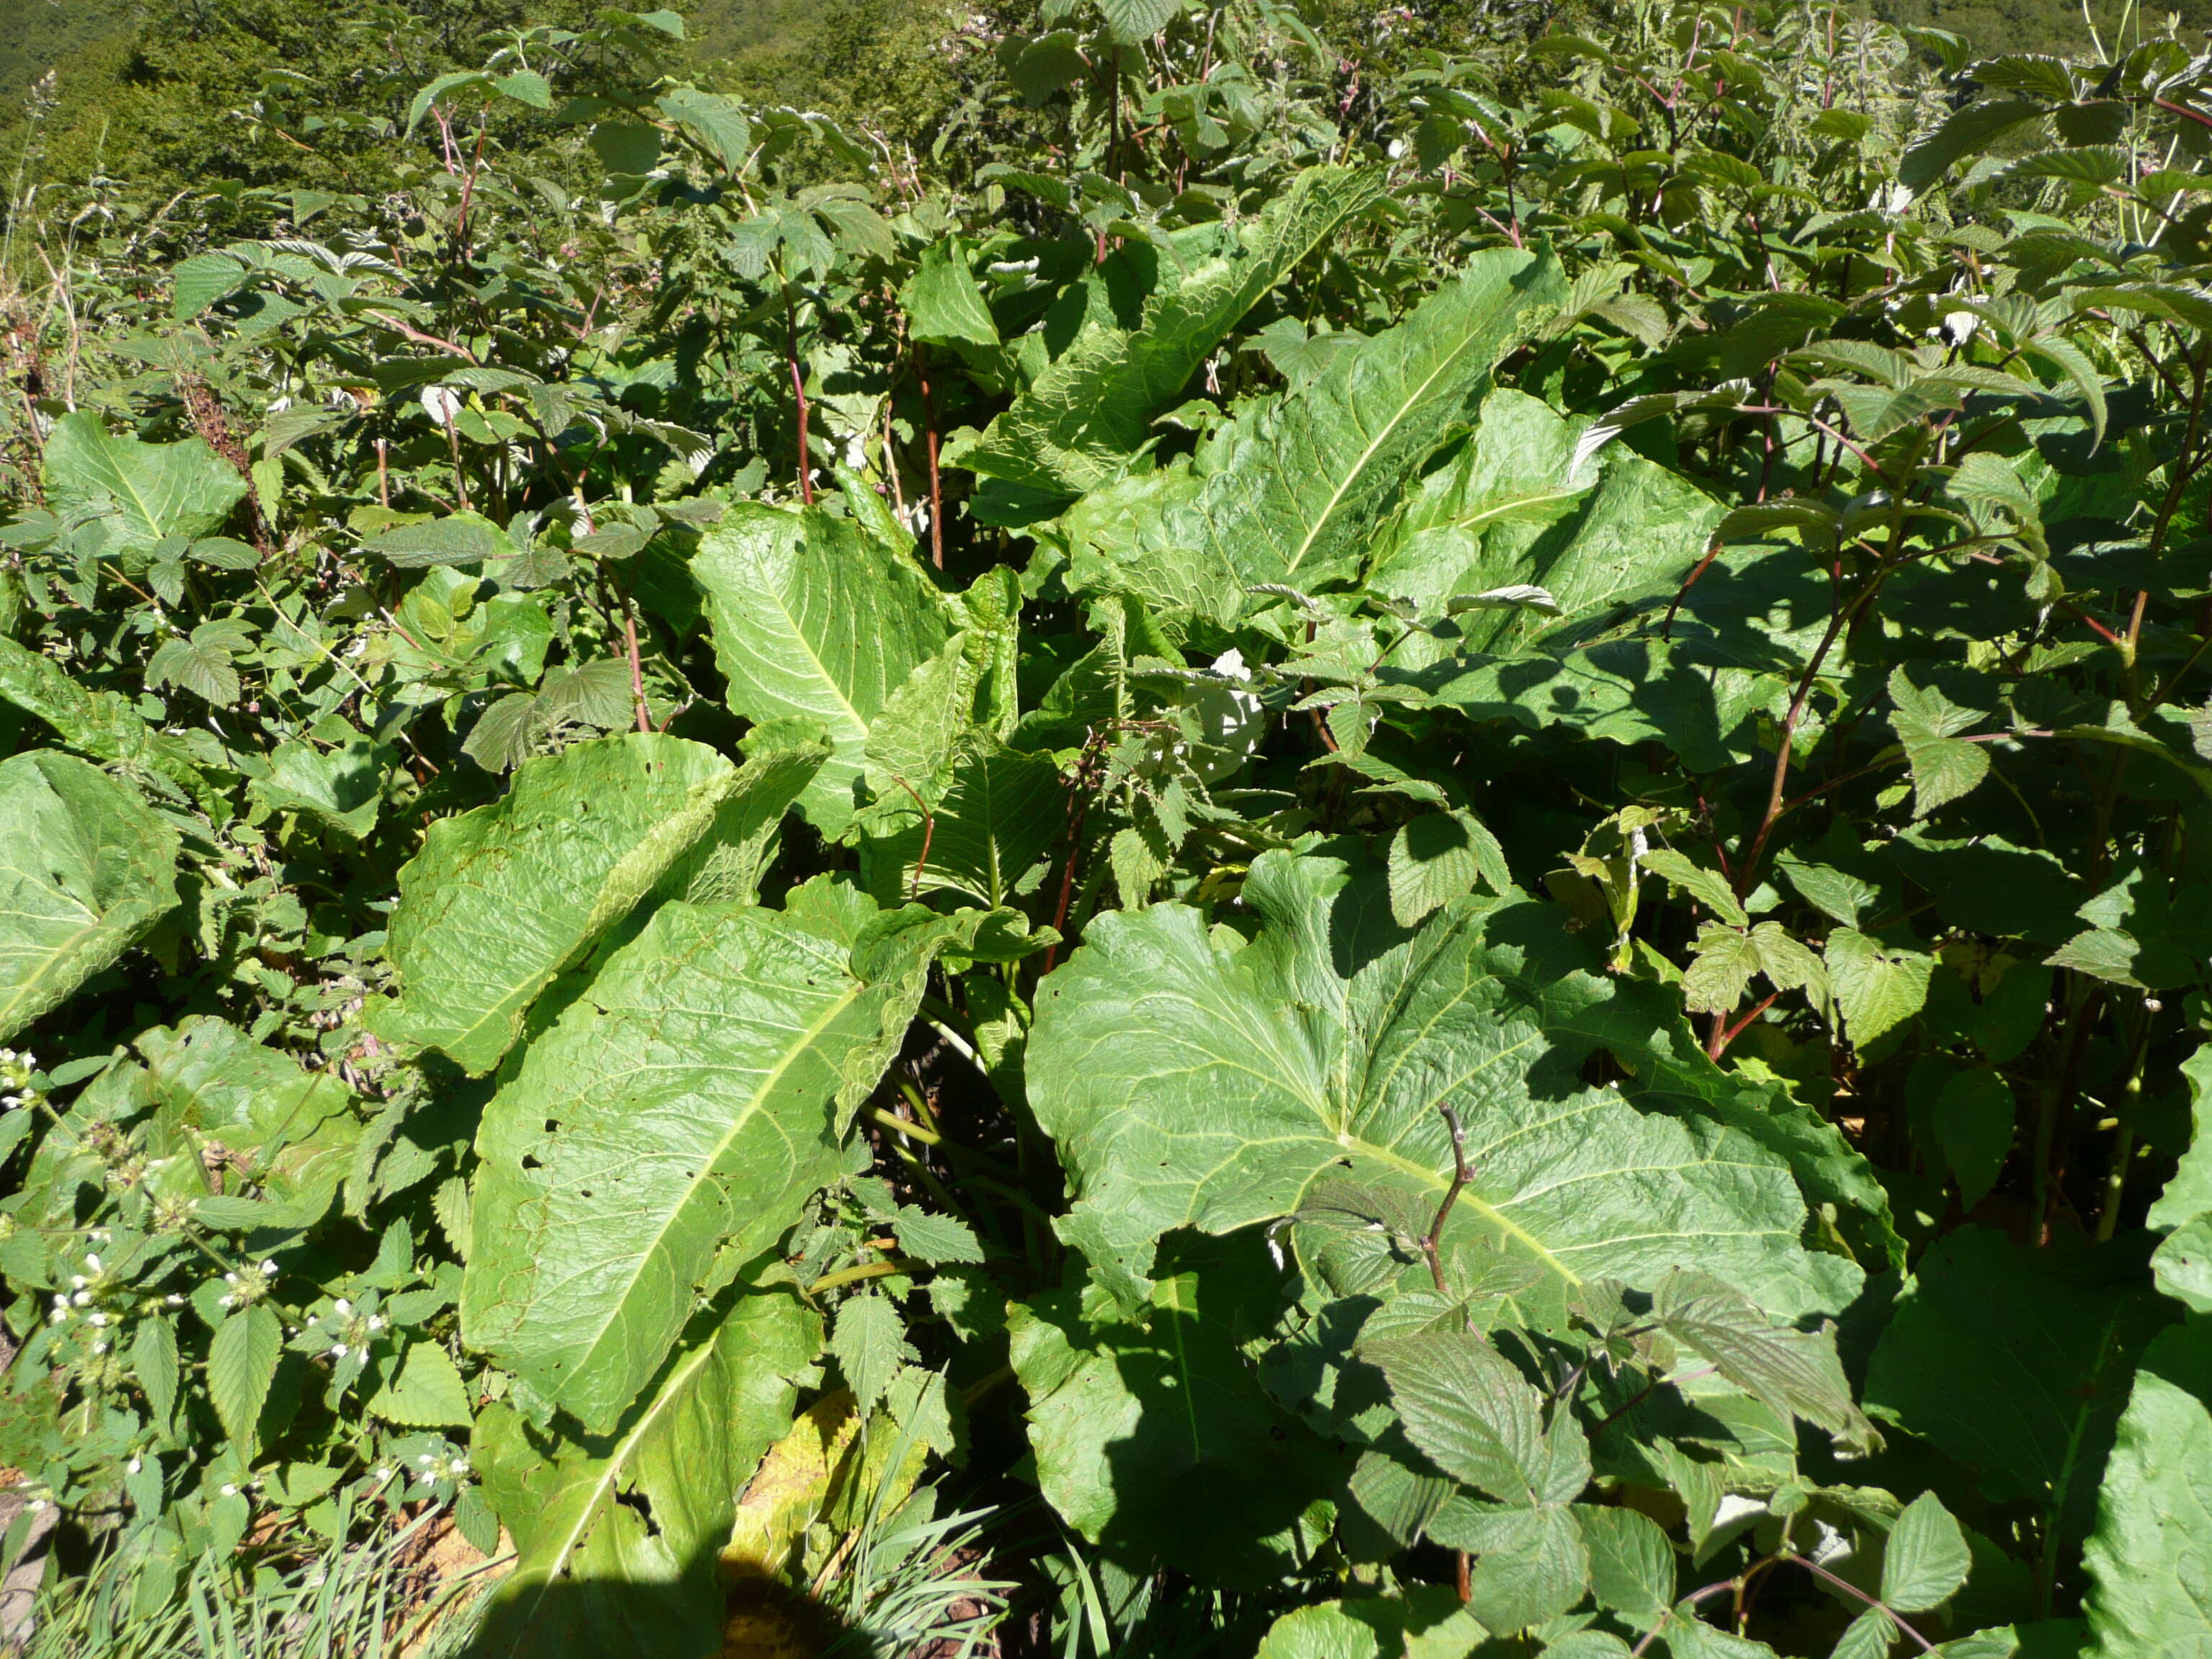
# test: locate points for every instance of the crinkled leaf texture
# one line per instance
(815, 616)
(1085, 418)
(86, 867)
(1192, 1078)
(501, 899)
(1291, 490)
(2150, 1555)
(142, 493)
(616, 1538)
(666, 1130)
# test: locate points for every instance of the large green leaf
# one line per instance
(105, 725)
(2015, 1362)
(815, 618)
(2151, 1557)
(999, 813)
(1085, 418)
(1292, 490)
(666, 1130)
(501, 899)
(86, 868)
(2183, 1264)
(615, 1540)
(1511, 508)
(1153, 1436)
(141, 493)
(1192, 1078)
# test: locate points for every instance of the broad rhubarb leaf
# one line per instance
(1192, 1078)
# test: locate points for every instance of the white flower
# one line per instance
(93, 1263)
(342, 1308)
(268, 1268)
(100, 1319)
(441, 403)
(78, 1281)
(383, 1475)
(99, 1348)
(174, 1299)
(82, 1297)
(230, 1489)
(376, 1322)
(134, 1466)
(60, 1314)
(426, 1459)
(230, 1278)
(337, 1351)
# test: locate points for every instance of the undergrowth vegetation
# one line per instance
(1367, 853)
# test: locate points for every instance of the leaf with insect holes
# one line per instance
(501, 898)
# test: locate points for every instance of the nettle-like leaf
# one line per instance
(1944, 766)
(1082, 422)
(667, 1128)
(1192, 1078)
(501, 899)
(815, 618)
(615, 1540)
(86, 867)
(140, 492)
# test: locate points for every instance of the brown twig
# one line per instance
(419, 337)
(928, 829)
(637, 668)
(1432, 1243)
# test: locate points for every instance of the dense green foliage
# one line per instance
(1391, 844)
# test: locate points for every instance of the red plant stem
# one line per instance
(929, 447)
(928, 829)
(1724, 1033)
